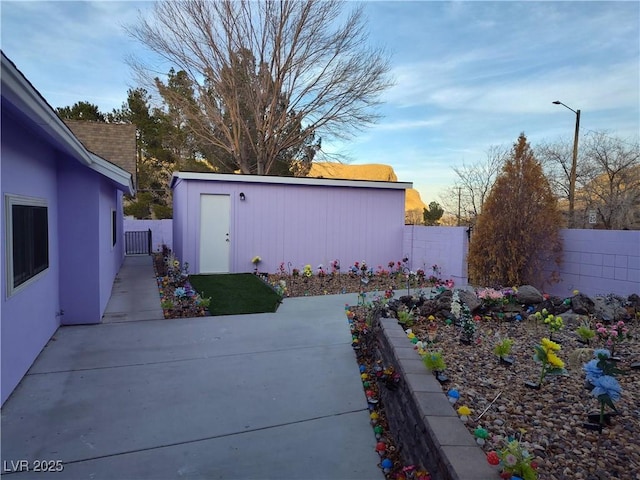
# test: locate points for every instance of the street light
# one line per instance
(574, 163)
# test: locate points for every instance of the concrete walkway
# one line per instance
(134, 295)
(265, 396)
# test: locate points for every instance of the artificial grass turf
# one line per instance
(236, 293)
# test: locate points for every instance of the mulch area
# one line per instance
(173, 307)
(331, 284)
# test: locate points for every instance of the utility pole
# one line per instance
(574, 164)
(459, 190)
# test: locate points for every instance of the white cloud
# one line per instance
(409, 124)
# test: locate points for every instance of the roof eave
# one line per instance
(230, 177)
(121, 177)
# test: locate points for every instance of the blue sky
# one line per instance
(468, 74)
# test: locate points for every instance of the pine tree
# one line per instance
(81, 111)
(517, 234)
(432, 215)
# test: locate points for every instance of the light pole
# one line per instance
(574, 164)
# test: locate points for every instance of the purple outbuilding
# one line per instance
(221, 222)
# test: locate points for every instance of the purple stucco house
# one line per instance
(222, 221)
(61, 226)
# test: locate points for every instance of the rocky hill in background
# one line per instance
(413, 204)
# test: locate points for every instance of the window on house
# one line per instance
(114, 230)
(27, 239)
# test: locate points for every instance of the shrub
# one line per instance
(517, 232)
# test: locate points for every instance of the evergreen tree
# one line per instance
(246, 90)
(81, 111)
(433, 214)
(517, 233)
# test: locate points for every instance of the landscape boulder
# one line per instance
(470, 299)
(528, 295)
(582, 304)
(610, 308)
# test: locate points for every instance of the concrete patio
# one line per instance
(237, 397)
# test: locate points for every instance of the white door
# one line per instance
(214, 233)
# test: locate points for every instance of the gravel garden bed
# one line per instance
(551, 422)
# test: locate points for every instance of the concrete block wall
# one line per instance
(599, 262)
(424, 423)
(161, 231)
(595, 261)
(446, 247)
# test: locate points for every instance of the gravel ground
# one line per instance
(551, 420)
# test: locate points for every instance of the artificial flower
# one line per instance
(592, 370)
(510, 460)
(607, 385)
(554, 360)
(549, 345)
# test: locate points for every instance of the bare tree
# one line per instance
(466, 198)
(256, 67)
(556, 158)
(413, 217)
(611, 182)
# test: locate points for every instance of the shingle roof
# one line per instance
(112, 141)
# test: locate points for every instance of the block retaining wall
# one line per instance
(426, 427)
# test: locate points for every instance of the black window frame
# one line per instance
(114, 228)
(27, 240)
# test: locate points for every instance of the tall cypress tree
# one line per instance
(517, 234)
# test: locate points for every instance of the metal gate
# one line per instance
(138, 243)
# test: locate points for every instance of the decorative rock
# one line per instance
(634, 301)
(529, 295)
(470, 299)
(582, 305)
(508, 361)
(612, 307)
